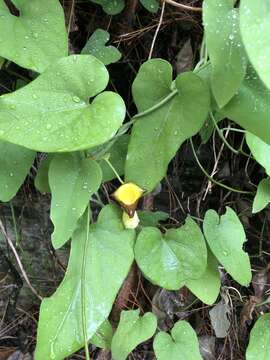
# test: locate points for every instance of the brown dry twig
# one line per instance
(182, 6)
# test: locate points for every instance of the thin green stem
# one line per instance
(210, 177)
(113, 169)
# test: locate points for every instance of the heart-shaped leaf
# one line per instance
(226, 52)
(262, 198)
(157, 136)
(37, 37)
(207, 287)
(73, 179)
(131, 331)
(96, 46)
(103, 257)
(226, 236)
(150, 5)
(170, 260)
(53, 114)
(15, 163)
(181, 345)
(111, 7)
(260, 150)
(258, 347)
(255, 31)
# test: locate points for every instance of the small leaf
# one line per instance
(111, 7)
(255, 31)
(53, 114)
(96, 46)
(73, 179)
(131, 331)
(226, 52)
(42, 177)
(207, 287)
(15, 163)
(40, 37)
(103, 336)
(258, 347)
(181, 345)
(150, 5)
(219, 319)
(260, 150)
(170, 260)
(226, 236)
(109, 255)
(262, 198)
(152, 218)
(157, 136)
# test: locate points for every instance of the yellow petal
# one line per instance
(128, 194)
(130, 223)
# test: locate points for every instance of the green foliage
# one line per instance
(99, 257)
(262, 197)
(40, 37)
(157, 135)
(103, 336)
(73, 179)
(15, 162)
(42, 178)
(225, 236)
(151, 218)
(260, 150)
(96, 46)
(53, 113)
(150, 5)
(258, 347)
(131, 331)
(181, 345)
(226, 52)
(111, 7)
(255, 31)
(170, 260)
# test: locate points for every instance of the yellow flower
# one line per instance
(130, 222)
(128, 196)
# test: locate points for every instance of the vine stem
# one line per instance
(113, 169)
(182, 6)
(211, 178)
(157, 30)
(84, 322)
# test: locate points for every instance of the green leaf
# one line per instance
(258, 347)
(111, 7)
(103, 336)
(73, 179)
(170, 260)
(226, 52)
(250, 107)
(157, 136)
(151, 218)
(207, 287)
(42, 177)
(53, 114)
(96, 46)
(37, 37)
(131, 331)
(262, 198)
(109, 255)
(15, 163)
(255, 31)
(226, 236)
(150, 5)
(260, 150)
(181, 345)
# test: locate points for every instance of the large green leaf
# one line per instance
(181, 345)
(108, 255)
(255, 31)
(157, 136)
(260, 150)
(262, 198)
(250, 107)
(53, 114)
(73, 179)
(170, 260)
(226, 52)
(226, 236)
(207, 287)
(259, 342)
(131, 331)
(37, 37)
(111, 7)
(96, 46)
(15, 163)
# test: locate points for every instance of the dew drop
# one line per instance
(34, 96)
(48, 126)
(76, 99)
